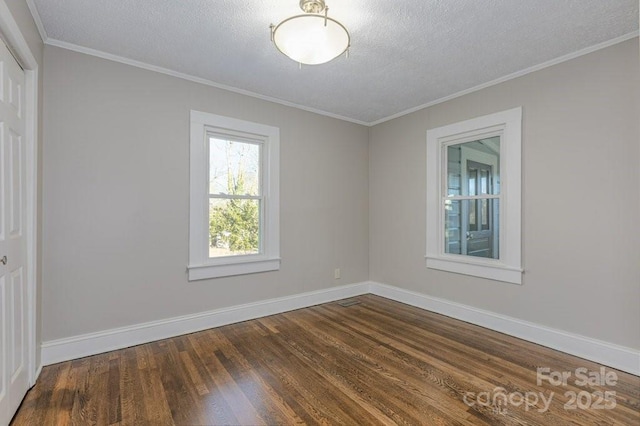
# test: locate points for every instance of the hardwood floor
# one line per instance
(377, 362)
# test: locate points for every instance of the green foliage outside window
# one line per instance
(235, 224)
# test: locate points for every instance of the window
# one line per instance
(234, 221)
(473, 197)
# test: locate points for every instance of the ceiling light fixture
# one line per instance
(313, 38)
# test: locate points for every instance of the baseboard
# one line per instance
(104, 341)
(619, 357)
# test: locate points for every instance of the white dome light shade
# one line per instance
(311, 39)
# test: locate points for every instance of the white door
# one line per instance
(13, 281)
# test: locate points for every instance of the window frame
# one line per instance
(201, 266)
(508, 267)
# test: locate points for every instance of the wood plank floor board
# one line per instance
(518, 363)
(371, 356)
(394, 367)
(349, 371)
(228, 391)
(376, 362)
(180, 393)
(450, 379)
(265, 401)
(418, 377)
(321, 400)
(436, 369)
(331, 374)
(221, 411)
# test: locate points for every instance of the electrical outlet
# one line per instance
(336, 273)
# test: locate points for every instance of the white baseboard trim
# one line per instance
(60, 350)
(620, 357)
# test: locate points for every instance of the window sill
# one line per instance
(493, 271)
(238, 267)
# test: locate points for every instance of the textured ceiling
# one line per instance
(404, 53)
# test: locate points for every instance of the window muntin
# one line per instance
(473, 197)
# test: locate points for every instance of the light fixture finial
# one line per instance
(312, 6)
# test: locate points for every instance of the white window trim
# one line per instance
(508, 267)
(200, 265)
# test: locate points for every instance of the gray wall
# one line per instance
(20, 12)
(116, 202)
(116, 145)
(581, 239)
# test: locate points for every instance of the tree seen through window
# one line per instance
(234, 197)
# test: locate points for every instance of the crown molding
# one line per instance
(192, 78)
(512, 76)
(195, 79)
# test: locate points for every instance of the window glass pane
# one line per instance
(467, 238)
(473, 168)
(234, 227)
(453, 227)
(453, 170)
(484, 214)
(234, 167)
(471, 178)
(484, 181)
(471, 214)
